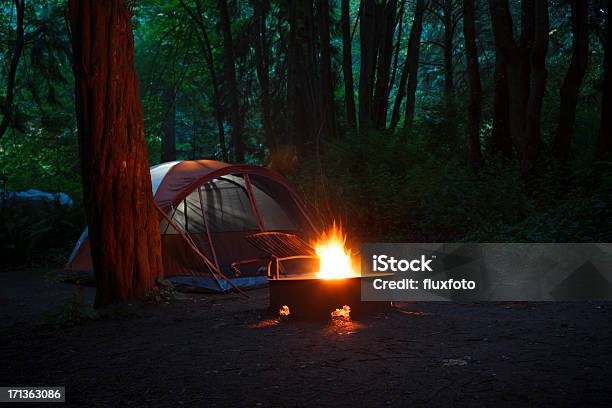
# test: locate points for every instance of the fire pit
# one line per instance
(311, 297)
(314, 295)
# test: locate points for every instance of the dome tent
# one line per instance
(215, 206)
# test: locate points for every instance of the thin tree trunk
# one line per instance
(573, 78)
(347, 65)
(538, 75)
(413, 70)
(6, 108)
(385, 56)
(501, 142)
(411, 63)
(262, 63)
(230, 80)
(328, 114)
(123, 223)
(605, 127)
(447, 20)
(397, 48)
(475, 106)
(168, 128)
(449, 80)
(210, 63)
(368, 62)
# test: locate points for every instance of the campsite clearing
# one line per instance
(220, 350)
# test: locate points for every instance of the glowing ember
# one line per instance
(284, 311)
(335, 259)
(345, 312)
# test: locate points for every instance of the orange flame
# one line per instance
(284, 311)
(344, 313)
(335, 259)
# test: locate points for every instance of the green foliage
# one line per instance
(417, 187)
(37, 234)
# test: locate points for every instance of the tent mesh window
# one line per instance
(228, 208)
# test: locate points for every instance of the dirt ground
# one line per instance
(220, 350)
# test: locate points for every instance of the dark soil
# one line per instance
(220, 350)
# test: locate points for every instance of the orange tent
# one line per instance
(215, 205)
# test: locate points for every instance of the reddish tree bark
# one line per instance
(410, 70)
(475, 105)
(229, 68)
(6, 108)
(347, 65)
(123, 223)
(573, 78)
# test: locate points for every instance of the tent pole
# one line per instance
(188, 235)
(171, 216)
(247, 183)
(210, 265)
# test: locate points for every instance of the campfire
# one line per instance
(331, 284)
(335, 260)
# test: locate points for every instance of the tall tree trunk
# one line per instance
(230, 80)
(6, 108)
(515, 56)
(605, 127)
(538, 75)
(410, 70)
(383, 72)
(501, 142)
(526, 71)
(328, 114)
(573, 78)
(475, 107)
(262, 64)
(448, 21)
(123, 223)
(303, 86)
(204, 42)
(347, 65)
(413, 74)
(168, 128)
(398, 42)
(368, 61)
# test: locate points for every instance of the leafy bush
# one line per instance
(417, 187)
(35, 234)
